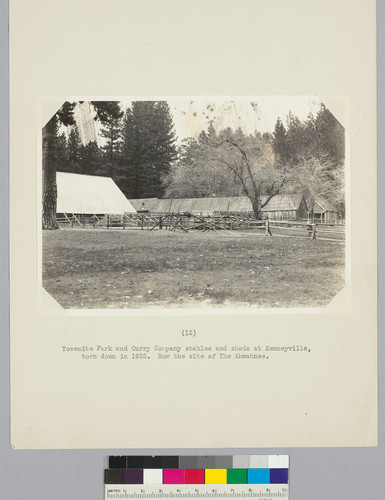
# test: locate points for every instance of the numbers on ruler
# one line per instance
(196, 493)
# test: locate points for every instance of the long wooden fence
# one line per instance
(188, 222)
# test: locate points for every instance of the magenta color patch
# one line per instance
(173, 476)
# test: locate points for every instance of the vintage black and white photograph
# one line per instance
(193, 202)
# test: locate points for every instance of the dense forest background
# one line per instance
(139, 149)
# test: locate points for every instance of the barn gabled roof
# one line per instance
(240, 204)
(194, 205)
(283, 202)
(321, 206)
(89, 194)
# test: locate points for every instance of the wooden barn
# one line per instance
(323, 211)
(281, 207)
(286, 207)
(89, 196)
(198, 206)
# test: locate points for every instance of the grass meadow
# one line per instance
(95, 268)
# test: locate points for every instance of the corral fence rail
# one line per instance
(205, 222)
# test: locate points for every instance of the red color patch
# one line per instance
(194, 476)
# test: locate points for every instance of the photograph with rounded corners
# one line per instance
(206, 203)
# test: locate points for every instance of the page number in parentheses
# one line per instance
(188, 332)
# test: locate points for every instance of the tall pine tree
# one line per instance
(52, 159)
(329, 136)
(314, 149)
(52, 152)
(125, 177)
(165, 145)
(111, 132)
(91, 160)
(148, 149)
(280, 142)
(73, 151)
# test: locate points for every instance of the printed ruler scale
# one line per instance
(260, 477)
(259, 492)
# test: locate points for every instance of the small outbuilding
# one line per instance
(323, 211)
(285, 207)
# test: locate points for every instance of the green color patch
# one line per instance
(236, 476)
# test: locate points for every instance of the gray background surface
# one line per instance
(315, 474)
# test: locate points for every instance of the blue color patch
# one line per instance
(279, 476)
(258, 476)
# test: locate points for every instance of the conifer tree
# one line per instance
(52, 152)
(111, 132)
(125, 177)
(314, 149)
(52, 157)
(73, 151)
(144, 147)
(91, 160)
(329, 136)
(148, 148)
(280, 142)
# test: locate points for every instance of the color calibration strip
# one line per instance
(202, 470)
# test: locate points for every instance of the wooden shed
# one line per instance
(323, 211)
(281, 207)
(285, 207)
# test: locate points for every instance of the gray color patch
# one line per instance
(259, 462)
(188, 462)
(241, 461)
(224, 462)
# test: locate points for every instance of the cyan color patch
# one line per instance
(258, 476)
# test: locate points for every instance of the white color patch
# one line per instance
(278, 461)
(152, 476)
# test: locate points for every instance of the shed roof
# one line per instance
(283, 202)
(89, 194)
(240, 204)
(194, 205)
(321, 206)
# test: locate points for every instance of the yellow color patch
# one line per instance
(216, 476)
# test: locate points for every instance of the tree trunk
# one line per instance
(49, 176)
(256, 204)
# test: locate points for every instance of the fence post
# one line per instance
(267, 231)
(314, 231)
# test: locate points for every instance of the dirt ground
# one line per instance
(134, 269)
